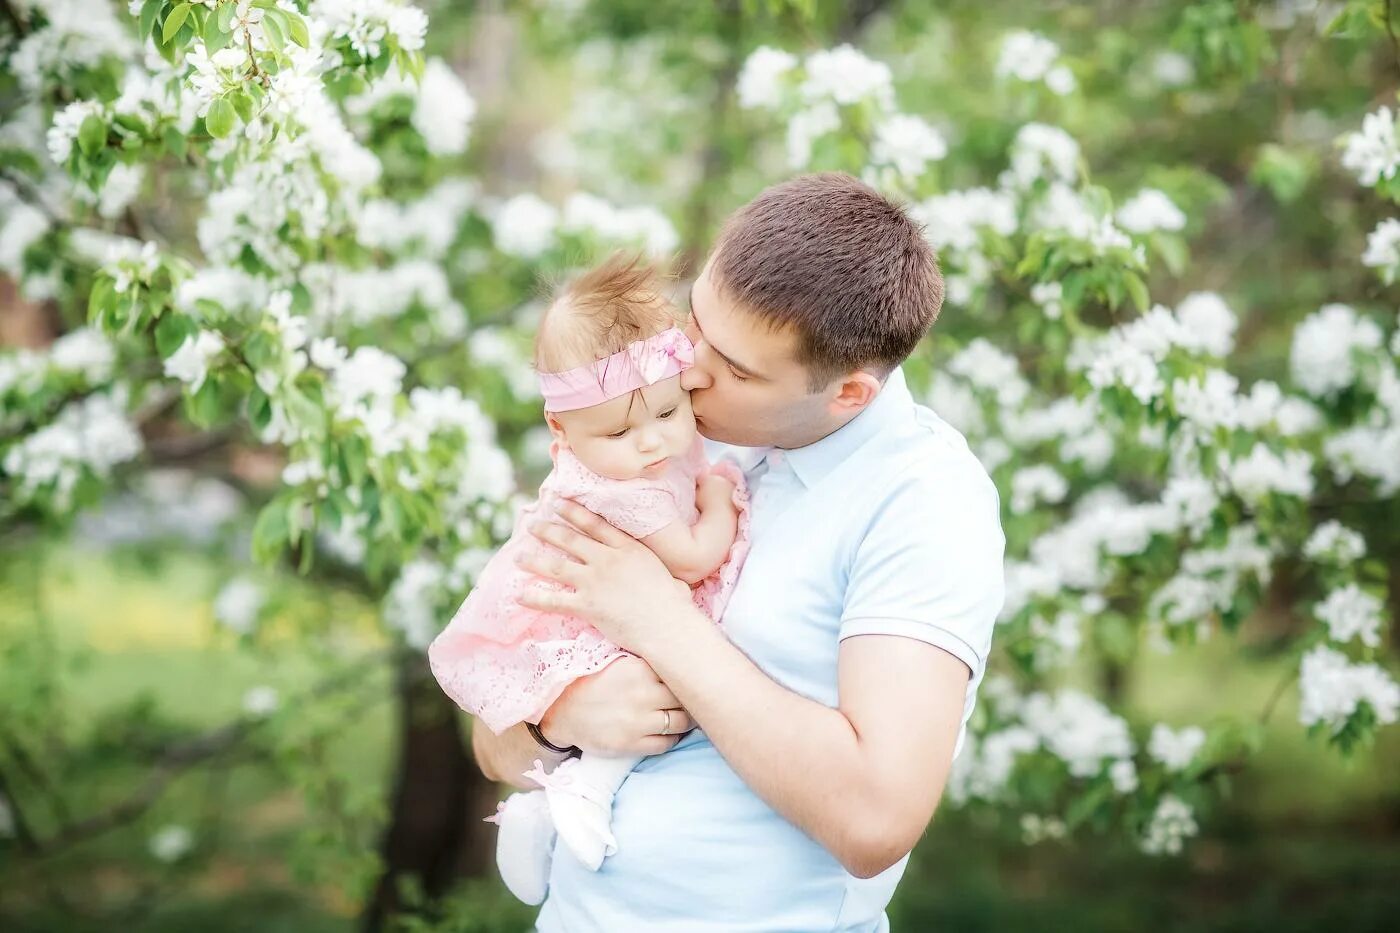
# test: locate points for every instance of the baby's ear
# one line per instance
(556, 430)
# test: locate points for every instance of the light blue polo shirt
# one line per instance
(889, 526)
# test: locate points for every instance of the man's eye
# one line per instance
(737, 376)
(617, 434)
(666, 414)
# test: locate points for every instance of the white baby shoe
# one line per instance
(525, 844)
(582, 814)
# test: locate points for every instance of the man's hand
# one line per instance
(610, 580)
(621, 710)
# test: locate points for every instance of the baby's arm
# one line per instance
(693, 552)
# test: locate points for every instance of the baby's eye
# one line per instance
(666, 414)
(617, 434)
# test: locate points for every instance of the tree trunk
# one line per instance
(435, 833)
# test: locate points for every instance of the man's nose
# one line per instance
(696, 377)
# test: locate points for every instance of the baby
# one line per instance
(610, 354)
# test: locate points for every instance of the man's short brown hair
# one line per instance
(844, 267)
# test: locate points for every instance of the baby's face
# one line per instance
(633, 435)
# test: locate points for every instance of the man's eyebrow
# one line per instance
(722, 355)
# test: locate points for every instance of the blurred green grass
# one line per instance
(1306, 841)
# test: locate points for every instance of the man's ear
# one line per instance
(855, 392)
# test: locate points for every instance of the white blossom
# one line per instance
(1263, 472)
(238, 604)
(1172, 822)
(1123, 775)
(1383, 249)
(171, 843)
(524, 226)
(804, 129)
(1036, 484)
(845, 76)
(1322, 359)
(761, 80)
(1175, 749)
(1041, 151)
(1332, 688)
(1373, 153)
(907, 144)
(1335, 543)
(1351, 612)
(1026, 56)
(260, 701)
(190, 363)
(1150, 210)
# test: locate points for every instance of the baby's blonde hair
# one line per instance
(618, 302)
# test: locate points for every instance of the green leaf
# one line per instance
(102, 292)
(149, 11)
(174, 21)
(270, 530)
(92, 135)
(215, 37)
(172, 332)
(1137, 289)
(274, 24)
(296, 28)
(243, 104)
(175, 142)
(220, 118)
(227, 11)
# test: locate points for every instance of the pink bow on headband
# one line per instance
(641, 363)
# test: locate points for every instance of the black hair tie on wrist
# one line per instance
(572, 751)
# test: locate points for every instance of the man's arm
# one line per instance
(862, 779)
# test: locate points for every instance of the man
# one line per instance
(834, 697)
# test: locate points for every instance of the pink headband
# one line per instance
(642, 363)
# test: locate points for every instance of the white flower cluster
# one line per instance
(238, 605)
(171, 843)
(1208, 581)
(1333, 688)
(415, 602)
(1351, 612)
(366, 23)
(1030, 57)
(1041, 152)
(957, 219)
(1373, 153)
(76, 36)
(443, 108)
(824, 81)
(190, 362)
(427, 226)
(1070, 725)
(1033, 485)
(526, 226)
(1175, 749)
(1334, 543)
(1172, 822)
(343, 298)
(1148, 211)
(1323, 360)
(1383, 249)
(91, 435)
(84, 353)
(1129, 355)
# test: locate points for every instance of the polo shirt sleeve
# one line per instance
(929, 566)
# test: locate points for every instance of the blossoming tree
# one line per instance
(336, 293)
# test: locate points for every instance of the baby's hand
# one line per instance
(714, 492)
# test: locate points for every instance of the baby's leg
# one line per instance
(580, 794)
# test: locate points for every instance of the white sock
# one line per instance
(525, 845)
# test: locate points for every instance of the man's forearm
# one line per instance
(506, 756)
(801, 757)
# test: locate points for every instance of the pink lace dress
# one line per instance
(505, 663)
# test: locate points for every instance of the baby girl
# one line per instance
(610, 354)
